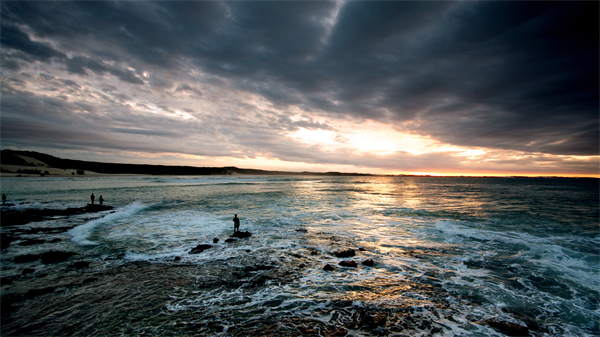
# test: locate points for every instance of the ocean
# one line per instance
(451, 257)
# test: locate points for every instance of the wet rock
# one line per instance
(361, 249)
(303, 230)
(241, 235)
(328, 267)
(55, 256)
(26, 258)
(215, 240)
(6, 280)
(14, 217)
(344, 252)
(90, 280)
(340, 332)
(508, 328)
(55, 240)
(258, 268)
(27, 271)
(31, 242)
(177, 258)
(230, 240)
(37, 292)
(368, 262)
(5, 240)
(79, 265)
(200, 249)
(349, 264)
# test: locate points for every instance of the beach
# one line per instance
(449, 256)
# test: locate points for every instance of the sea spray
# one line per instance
(81, 233)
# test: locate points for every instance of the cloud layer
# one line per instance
(238, 79)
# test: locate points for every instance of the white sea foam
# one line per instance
(81, 233)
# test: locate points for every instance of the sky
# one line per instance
(393, 87)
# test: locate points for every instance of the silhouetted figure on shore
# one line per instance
(236, 224)
(3, 199)
(93, 197)
(100, 200)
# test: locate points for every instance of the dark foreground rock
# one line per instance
(328, 267)
(55, 256)
(508, 328)
(199, 249)
(241, 235)
(368, 262)
(13, 217)
(348, 264)
(344, 252)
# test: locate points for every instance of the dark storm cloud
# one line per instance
(508, 75)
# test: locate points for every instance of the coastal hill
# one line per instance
(35, 163)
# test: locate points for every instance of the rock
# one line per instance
(200, 249)
(90, 280)
(215, 240)
(177, 258)
(31, 242)
(27, 271)
(55, 240)
(79, 265)
(241, 235)
(508, 328)
(340, 332)
(344, 252)
(361, 249)
(230, 240)
(55, 256)
(8, 280)
(5, 240)
(37, 292)
(368, 262)
(26, 258)
(328, 267)
(349, 264)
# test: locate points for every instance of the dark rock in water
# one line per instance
(79, 265)
(27, 271)
(258, 268)
(26, 258)
(37, 292)
(215, 240)
(241, 235)
(508, 328)
(349, 264)
(55, 240)
(90, 280)
(303, 230)
(7, 280)
(340, 332)
(230, 240)
(328, 267)
(344, 252)
(5, 240)
(12, 217)
(361, 249)
(200, 249)
(177, 258)
(31, 242)
(368, 262)
(55, 256)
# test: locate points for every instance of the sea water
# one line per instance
(519, 250)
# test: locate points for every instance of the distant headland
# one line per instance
(30, 163)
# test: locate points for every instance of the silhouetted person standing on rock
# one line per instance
(92, 197)
(236, 224)
(101, 200)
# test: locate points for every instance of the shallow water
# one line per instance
(451, 255)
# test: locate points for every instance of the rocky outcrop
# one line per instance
(348, 264)
(199, 249)
(368, 262)
(13, 217)
(328, 267)
(55, 256)
(241, 235)
(344, 252)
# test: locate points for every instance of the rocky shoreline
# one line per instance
(75, 295)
